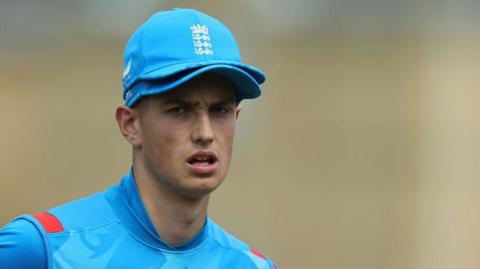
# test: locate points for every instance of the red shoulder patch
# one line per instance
(49, 222)
(258, 253)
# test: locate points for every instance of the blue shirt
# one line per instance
(113, 230)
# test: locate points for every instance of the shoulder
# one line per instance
(85, 213)
(237, 250)
(19, 239)
(30, 235)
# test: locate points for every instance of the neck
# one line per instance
(176, 219)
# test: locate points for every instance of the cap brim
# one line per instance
(246, 79)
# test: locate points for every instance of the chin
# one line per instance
(196, 193)
(201, 187)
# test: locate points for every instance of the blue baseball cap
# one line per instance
(174, 46)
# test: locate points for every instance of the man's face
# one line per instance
(187, 135)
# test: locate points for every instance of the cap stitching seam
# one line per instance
(141, 53)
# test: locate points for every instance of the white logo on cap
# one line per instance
(127, 69)
(128, 95)
(201, 40)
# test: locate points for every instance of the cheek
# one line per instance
(225, 136)
(166, 143)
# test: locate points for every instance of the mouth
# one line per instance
(202, 162)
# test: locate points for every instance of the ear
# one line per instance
(129, 124)
(237, 111)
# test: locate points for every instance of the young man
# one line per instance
(183, 81)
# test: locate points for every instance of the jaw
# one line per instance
(199, 186)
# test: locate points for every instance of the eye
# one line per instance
(177, 110)
(220, 109)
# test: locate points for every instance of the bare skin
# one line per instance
(182, 144)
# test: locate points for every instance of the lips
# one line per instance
(202, 162)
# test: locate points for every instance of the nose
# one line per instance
(202, 132)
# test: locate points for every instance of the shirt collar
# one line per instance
(128, 205)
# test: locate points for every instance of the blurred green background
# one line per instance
(363, 151)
